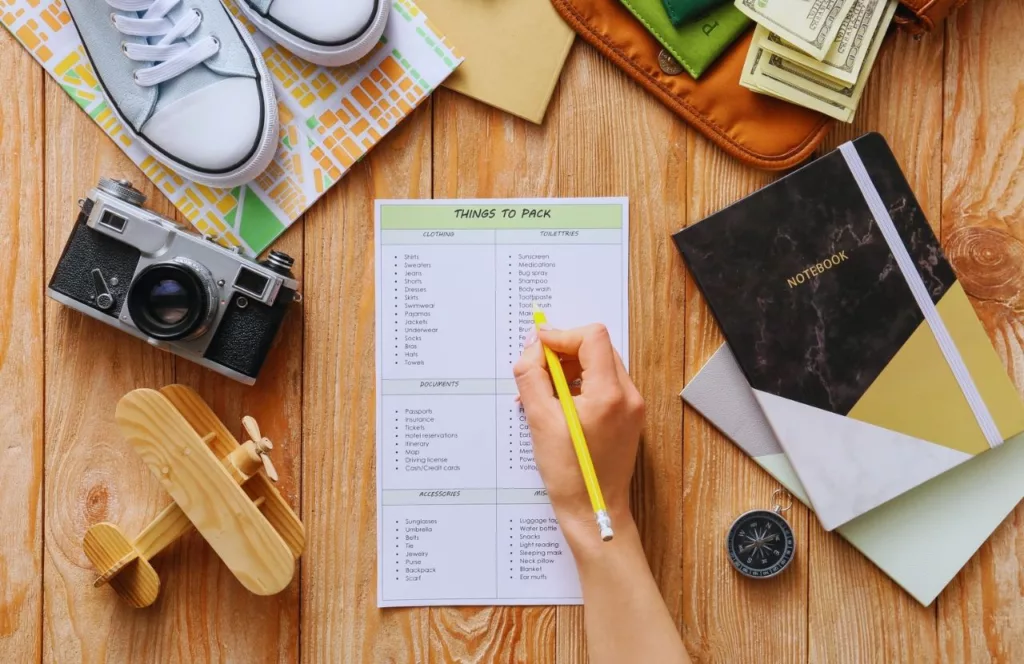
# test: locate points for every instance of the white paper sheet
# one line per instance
(462, 514)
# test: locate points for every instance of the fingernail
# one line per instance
(545, 326)
(530, 338)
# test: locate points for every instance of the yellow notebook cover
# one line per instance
(514, 51)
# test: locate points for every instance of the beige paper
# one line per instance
(513, 49)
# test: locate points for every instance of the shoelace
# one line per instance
(172, 55)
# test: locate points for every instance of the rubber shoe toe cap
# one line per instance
(322, 21)
(216, 129)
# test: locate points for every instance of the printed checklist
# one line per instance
(463, 516)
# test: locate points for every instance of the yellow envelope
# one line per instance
(514, 50)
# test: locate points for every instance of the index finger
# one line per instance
(592, 345)
(532, 378)
(536, 393)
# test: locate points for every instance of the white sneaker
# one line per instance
(325, 32)
(186, 82)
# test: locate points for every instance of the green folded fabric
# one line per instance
(681, 11)
(697, 43)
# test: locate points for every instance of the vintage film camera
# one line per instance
(151, 277)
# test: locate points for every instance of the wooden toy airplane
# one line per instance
(217, 487)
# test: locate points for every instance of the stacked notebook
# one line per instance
(863, 357)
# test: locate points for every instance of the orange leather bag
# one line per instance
(756, 129)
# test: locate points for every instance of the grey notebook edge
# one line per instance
(972, 499)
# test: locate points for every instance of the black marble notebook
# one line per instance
(811, 296)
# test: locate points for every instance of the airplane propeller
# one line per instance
(263, 445)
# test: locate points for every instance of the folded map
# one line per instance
(330, 117)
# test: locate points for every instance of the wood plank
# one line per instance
(981, 614)
(21, 355)
(276, 403)
(480, 152)
(615, 139)
(340, 619)
(95, 476)
(92, 474)
(855, 613)
(609, 139)
(727, 617)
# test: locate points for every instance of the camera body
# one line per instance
(151, 277)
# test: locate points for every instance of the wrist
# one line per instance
(583, 535)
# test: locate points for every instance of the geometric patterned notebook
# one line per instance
(330, 117)
(861, 346)
(965, 505)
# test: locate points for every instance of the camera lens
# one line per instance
(171, 301)
(168, 302)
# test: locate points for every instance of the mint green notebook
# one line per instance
(695, 44)
(962, 506)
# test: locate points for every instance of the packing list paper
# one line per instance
(330, 117)
(462, 514)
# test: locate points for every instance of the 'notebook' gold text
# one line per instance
(816, 269)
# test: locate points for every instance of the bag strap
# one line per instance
(919, 16)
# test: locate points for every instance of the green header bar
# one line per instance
(501, 216)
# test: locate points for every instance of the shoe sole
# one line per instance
(265, 150)
(327, 56)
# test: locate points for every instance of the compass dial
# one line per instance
(760, 544)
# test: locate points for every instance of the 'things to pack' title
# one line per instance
(504, 213)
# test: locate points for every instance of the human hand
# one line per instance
(610, 409)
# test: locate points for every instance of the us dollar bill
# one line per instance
(806, 78)
(755, 79)
(750, 74)
(809, 25)
(770, 73)
(845, 58)
(779, 69)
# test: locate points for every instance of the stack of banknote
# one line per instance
(815, 53)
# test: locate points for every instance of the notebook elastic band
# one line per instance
(924, 301)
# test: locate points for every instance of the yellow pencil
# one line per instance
(579, 443)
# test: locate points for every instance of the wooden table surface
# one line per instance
(952, 106)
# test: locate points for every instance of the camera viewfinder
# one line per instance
(251, 282)
(114, 222)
